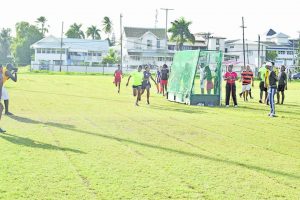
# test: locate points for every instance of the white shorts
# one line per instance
(246, 87)
(4, 94)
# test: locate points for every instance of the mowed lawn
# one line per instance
(74, 137)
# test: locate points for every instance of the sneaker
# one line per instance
(236, 106)
(136, 104)
(272, 115)
(251, 98)
(2, 130)
(8, 113)
(148, 102)
(227, 106)
(260, 101)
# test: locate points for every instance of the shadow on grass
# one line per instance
(152, 146)
(35, 144)
(185, 110)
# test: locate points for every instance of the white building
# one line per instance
(234, 52)
(49, 53)
(286, 48)
(145, 46)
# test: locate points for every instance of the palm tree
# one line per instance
(181, 33)
(75, 32)
(5, 40)
(42, 21)
(94, 32)
(107, 26)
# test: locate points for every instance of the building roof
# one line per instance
(271, 32)
(139, 32)
(280, 35)
(73, 44)
(239, 42)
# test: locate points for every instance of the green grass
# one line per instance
(73, 137)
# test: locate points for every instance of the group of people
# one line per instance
(141, 81)
(272, 81)
(6, 73)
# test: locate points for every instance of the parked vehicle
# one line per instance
(296, 76)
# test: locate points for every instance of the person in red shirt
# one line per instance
(118, 77)
(247, 79)
(230, 77)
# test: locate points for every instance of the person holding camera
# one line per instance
(8, 72)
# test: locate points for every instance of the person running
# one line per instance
(247, 78)
(261, 75)
(1, 86)
(9, 72)
(272, 89)
(118, 77)
(158, 80)
(209, 83)
(230, 77)
(137, 83)
(164, 78)
(282, 84)
(146, 85)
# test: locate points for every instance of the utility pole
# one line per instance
(258, 53)
(121, 40)
(247, 53)
(156, 20)
(61, 44)
(166, 36)
(243, 27)
(208, 34)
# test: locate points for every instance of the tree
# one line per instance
(42, 22)
(5, 41)
(181, 33)
(107, 26)
(111, 57)
(26, 35)
(75, 32)
(94, 32)
(271, 55)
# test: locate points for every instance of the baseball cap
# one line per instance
(269, 64)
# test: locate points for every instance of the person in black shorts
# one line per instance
(263, 89)
(146, 85)
(282, 84)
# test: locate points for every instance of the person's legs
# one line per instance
(134, 92)
(246, 94)
(148, 95)
(208, 91)
(119, 86)
(228, 90)
(1, 110)
(278, 97)
(138, 98)
(282, 97)
(234, 95)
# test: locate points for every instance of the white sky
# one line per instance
(221, 17)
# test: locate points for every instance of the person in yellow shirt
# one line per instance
(1, 106)
(8, 72)
(137, 77)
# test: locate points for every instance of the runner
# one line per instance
(247, 78)
(164, 78)
(282, 84)
(10, 72)
(230, 78)
(1, 85)
(146, 85)
(158, 80)
(272, 89)
(118, 77)
(137, 83)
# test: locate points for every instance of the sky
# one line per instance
(220, 17)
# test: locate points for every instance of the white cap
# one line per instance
(269, 64)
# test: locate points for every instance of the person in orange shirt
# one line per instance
(8, 72)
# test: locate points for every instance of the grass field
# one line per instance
(73, 137)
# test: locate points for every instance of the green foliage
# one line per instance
(75, 31)
(93, 32)
(111, 57)
(181, 32)
(41, 21)
(26, 35)
(5, 41)
(107, 26)
(271, 55)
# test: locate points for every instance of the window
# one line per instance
(281, 52)
(217, 41)
(149, 44)
(160, 59)
(137, 58)
(218, 48)
(290, 52)
(158, 43)
(38, 50)
(53, 51)
(43, 50)
(231, 47)
(48, 51)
